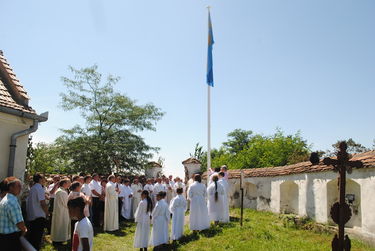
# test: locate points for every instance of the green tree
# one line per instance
(198, 152)
(45, 158)
(237, 140)
(353, 147)
(108, 141)
(262, 151)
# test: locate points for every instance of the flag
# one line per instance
(210, 73)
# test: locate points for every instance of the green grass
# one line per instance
(261, 231)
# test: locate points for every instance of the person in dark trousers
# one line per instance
(96, 193)
(12, 225)
(37, 211)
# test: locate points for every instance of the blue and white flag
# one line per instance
(210, 73)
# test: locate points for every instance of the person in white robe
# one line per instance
(223, 181)
(158, 187)
(215, 193)
(60, 229)
(142, 218)
(111, 221)
(198, 208)
(160, 221)
(127, 194)
(178, 209)
(137, 190)
(150, 188)
(169, 191)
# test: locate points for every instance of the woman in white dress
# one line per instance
(215, 193)
(142, 218)
(198, 207)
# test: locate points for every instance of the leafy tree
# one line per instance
(353, 147)
(108, 141)
(45, 158)
(198, 152)
(262, 151)
(237, 140)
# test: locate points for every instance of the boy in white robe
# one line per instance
(197, 194)
(225, 184)
(127, 194)
(111, 221)
(160, 221)
(178, 209)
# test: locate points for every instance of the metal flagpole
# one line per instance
(208, 131)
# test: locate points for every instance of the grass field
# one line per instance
(261, 231)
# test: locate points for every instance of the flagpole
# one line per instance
(208, 131)
(208, 116)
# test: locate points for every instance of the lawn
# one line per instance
(260, 231)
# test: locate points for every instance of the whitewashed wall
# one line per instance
(10, 124)
(316, 193)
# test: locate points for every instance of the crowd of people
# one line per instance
(72, 207)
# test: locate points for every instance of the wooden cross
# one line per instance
(341, 212)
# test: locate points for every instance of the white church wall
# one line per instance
(314, 197)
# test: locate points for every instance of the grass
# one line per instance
(260, 231)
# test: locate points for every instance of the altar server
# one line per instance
(142, 218)
(198, 208)
(160, 221)
(178, 209)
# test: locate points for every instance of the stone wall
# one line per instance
(310, 194)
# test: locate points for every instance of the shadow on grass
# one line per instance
(124, 225)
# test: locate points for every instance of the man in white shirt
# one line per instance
(37, 211)
(96, 194)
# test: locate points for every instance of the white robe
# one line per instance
(225, 215)
(111, 208)
(150, 189)
(136, 195)
(126, 210)
(169, 190)
(160, 223)
(142, 218)
(178, 209)
(158, 187)
(215, 207)
(60, 229)
(198, 207)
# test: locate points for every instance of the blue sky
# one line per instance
(297, 65)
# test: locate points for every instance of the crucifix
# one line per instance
(340, 211)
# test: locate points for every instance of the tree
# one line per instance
(237, 140)
(353, 147)
(198, 152)
(108, 141)
(45, 158)
(262, 151)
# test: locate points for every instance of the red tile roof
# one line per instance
(368, 159)
(12, 93)
(191, 161)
